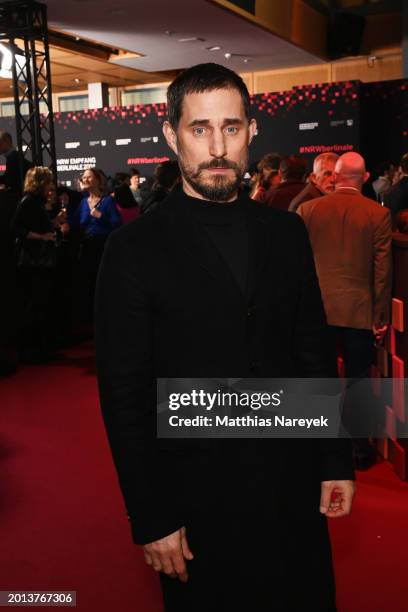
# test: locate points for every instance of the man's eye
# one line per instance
(199, 131)
(231, 129)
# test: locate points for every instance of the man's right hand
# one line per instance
(169, 553)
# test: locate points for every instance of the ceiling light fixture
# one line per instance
(76, 80)
(214, 48)
(227, 55)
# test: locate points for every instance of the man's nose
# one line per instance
(217, 145)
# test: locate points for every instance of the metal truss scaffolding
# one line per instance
(23, 29)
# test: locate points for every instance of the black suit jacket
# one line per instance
(397, 198)
(167, 306)
(11, 177)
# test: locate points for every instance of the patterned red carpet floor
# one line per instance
(63, 524)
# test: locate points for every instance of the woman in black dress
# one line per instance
(36, 263)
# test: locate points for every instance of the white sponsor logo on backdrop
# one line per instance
(308, 126)
(149, 139)
(94, 143)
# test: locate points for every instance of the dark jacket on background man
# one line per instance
(11, 177)
(397, 198)
(310, 192)
(168, 306)
(157, 195)
(282, 195)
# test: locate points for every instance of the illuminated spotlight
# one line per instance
(6, 61)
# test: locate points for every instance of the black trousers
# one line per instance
(362, 413)
(252, 561)
(37, 314)
(89, 259)
(357, 349)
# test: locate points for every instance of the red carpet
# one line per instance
(62, 519)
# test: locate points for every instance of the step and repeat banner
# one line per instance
(306, 120)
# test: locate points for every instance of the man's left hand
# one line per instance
(336, 497)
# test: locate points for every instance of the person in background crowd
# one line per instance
(95, 218)
(402, 221)
(167, 175)
(112, 182)
(397, 176)
(368, 190)
(120, 178)
(36, 261)
(8, 301)
(267, 176)
(135, 189)
(320, 182)
(126, 202)
(292, 172)
(397, 197)
(251, 178)
(351, 241)
(383, 183)
(12, 179)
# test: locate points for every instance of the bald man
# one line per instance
(351, 241)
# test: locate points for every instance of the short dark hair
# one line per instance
(6, 136)
(134, 172)
(167, 174)
(293, 168)
(384, 167)
(270, 161)
(201, 78)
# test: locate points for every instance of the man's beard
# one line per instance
(218, 188)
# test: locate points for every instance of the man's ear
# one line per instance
(312, 178)
(170, 136)
(366, 177)
(253, 130)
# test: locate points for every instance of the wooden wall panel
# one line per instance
(385, 69)
(281, 80)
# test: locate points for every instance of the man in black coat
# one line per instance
(12, 178)
(211, 285)
(397, 198)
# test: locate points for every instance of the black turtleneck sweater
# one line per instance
(225, 224)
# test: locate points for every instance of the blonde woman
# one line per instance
(36, 262)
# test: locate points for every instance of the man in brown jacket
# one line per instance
(351, 241)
